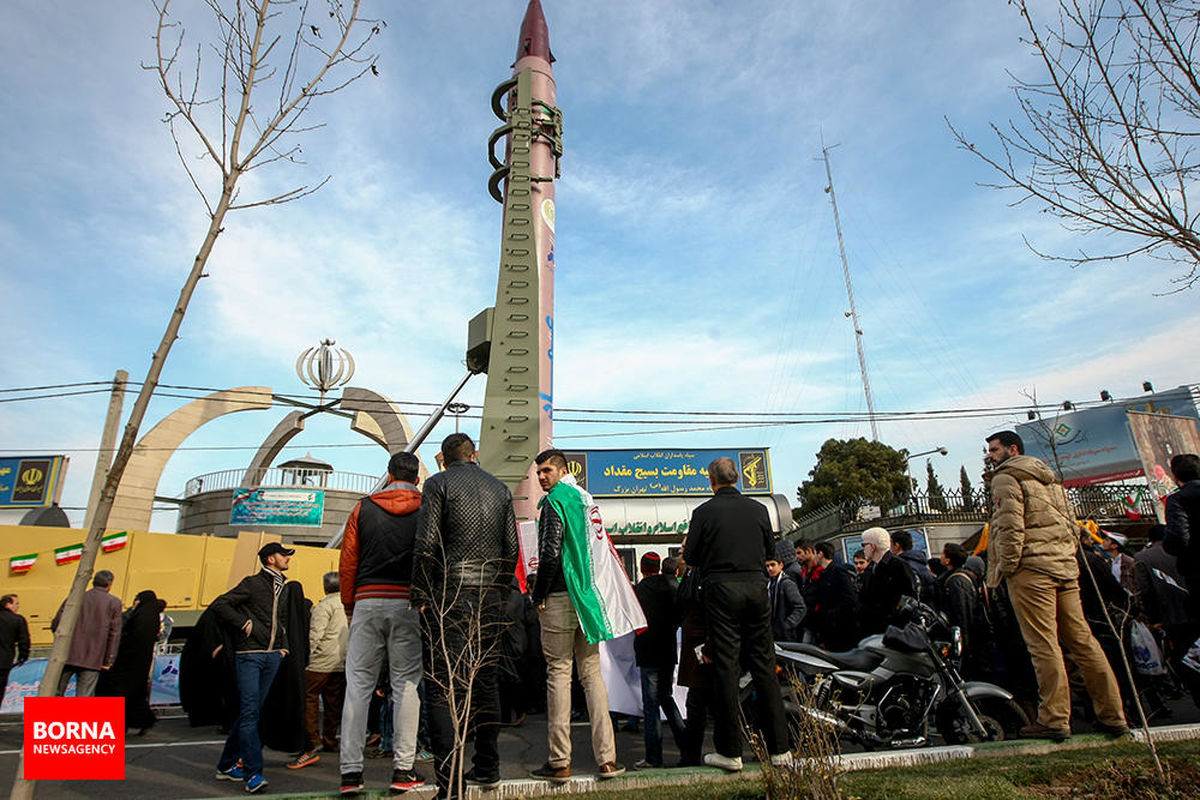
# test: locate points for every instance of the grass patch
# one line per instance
(1121, 771)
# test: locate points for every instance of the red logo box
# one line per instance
(69, 738)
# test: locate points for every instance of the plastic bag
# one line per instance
(1147, 658)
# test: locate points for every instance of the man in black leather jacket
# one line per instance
(1183, 526)
(464, 558)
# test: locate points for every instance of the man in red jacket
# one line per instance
(375, 580)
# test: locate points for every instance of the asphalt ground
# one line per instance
(175, 760)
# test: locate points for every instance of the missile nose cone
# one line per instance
(535, 34)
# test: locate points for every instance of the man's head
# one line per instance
(1112, 543)
(103, 580)
(954, 555)
(901, 542)
(860, 561)
(404, 467)
(330, 580)
(670, 566)
(804, 551)
(11, 602)
(1003, 446)
(457, 447)
(1185, 467)
(551, 468)
(1156, 533)
(774, 567)
(975, 565)
(651, 563)
(275, 556)
(876, 542)
(822, 554)
(722, 472)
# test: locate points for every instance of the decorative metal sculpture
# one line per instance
(325, 367)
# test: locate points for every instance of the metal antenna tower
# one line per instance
(853, 312)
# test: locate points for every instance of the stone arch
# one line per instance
(135, 496)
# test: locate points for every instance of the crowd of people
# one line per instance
(424, 621)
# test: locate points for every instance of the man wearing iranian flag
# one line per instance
(584, 598)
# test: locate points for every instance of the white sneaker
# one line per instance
(724, 762)
(784, 759)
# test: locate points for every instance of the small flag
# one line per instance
(19, 565)
(65, 555)
(1129, 504)
(114, 541)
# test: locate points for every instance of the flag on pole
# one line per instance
(600, 590)
(114, 541)
(65, 555)
(19, 565)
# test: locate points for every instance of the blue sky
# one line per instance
(697, 260)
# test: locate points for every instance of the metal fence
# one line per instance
(276, 477)
(1105, 504)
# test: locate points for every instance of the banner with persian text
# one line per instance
(665, 472)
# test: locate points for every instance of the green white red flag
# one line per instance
(114, 541)
(1129, 504)
(65, 555)
(19, 565)
(600, 590)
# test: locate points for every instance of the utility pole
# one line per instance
(853, 312)
(108, 442)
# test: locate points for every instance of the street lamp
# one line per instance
(939, 450)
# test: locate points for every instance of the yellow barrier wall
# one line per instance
(187, 571)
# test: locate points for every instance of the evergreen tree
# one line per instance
(855, 470)
(968, 491)
(937, 492)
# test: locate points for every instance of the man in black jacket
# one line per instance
(833, 617)
(1183, 526)
(465, 556)
(885, 581)
(788, 608)
(255, 611)
(654, 650)
(729, 540)
(14, 637)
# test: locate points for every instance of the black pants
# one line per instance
(739, 635)
(461, 642)
(698, 700)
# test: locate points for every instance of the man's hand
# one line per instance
(249, 626)
(541, 607)
(218, 650)
(106, 668)
(283, 653)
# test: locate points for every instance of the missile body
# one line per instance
(518, 414)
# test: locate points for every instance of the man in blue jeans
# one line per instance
(255, 611)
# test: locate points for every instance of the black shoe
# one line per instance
(1111, 731)
(1036, 730)
(403, 780)
(485, 782)
(352, 783)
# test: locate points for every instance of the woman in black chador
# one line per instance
(129, 676)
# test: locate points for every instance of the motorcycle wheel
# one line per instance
(1001, 718)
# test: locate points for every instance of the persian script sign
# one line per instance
(666, 472)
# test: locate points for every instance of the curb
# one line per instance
(853, 762)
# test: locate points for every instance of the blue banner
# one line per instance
(1095, 445)
(29, 481)
(23, 681)
(297, 507)
(666, 472)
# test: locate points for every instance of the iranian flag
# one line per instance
(1129, 504)
(596, 580)
(114, 541)
(19, 565)
(65, 555)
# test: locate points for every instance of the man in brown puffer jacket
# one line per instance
(1031, 544)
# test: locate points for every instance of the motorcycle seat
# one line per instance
(858, 659)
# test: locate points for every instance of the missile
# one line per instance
(518, 412)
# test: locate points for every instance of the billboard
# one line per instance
(1095, 445)
(666, 472)
(29, 481)
(1160, 437)
(303, 508)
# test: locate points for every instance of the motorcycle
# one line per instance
(883, 693)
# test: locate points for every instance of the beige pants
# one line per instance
(1049, 611)
(563, 642)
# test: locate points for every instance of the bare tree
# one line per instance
(235, 104)
(1108, 135)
